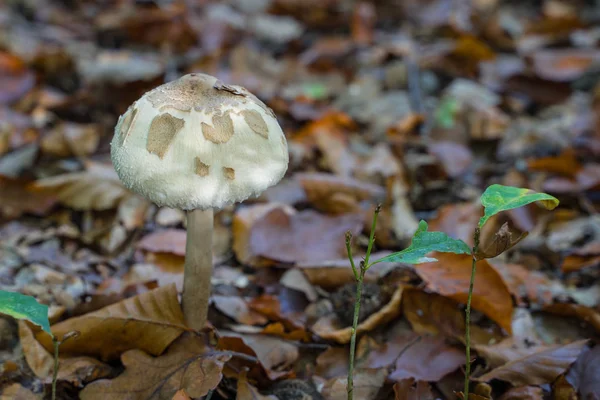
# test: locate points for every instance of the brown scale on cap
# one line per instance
(162, 131)
(229, 173)
(256, 122)
(221, 131)
(126, 126)
(195, 91)
(201, 168)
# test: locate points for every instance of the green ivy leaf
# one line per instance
(498, 198)
(19, 306)
(424, 242)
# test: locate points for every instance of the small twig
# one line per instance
(372, 237)
(476, 237)
(56, 343)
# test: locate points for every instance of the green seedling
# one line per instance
(495, 199)
(20, 306)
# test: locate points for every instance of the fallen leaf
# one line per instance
(531, 286)
(584, 375)
(273, 353)
(538, 368)
(181, 395)
(188, 364)
(337, 195)
(75, 370)
(435, 314)
(456, 158)
(97, 188)
(457, 220)
(70, 139)
(15, 79)
(565, 164)
(245, 391)
(404, 390)
(288, 236)
(450, 277)
(523, 393)
(367, 383)
(563, 65)
(329, 328)
(16, 391)
(586, 314)
(112, 330)
(427, 359)
(165, 241)
(237, 309)
(17, 198)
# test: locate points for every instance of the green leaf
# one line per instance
(498, 198)
(424, 242)
(19, 306)
(445, 113)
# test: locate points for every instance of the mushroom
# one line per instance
(198, 144)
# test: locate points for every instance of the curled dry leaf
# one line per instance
(149, 322)
(427, 359)
(337, 195)
(367, 383)
(450, 277)
(586, 314)
(504, 239)
(75, 370)
(538, 368)
(97, 188)
(328, 327)
(188, 364)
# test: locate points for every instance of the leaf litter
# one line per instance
(420, 119)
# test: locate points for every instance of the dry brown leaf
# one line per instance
(427, 359)
(149, 322)
(367, 383)
(97, 188)
(584, 375)
(457, 220)
(70, 139)
(404, 390)
(586, 314)
(450, 277)
(523, 393)
(17, 198)
(456, 158)
(329, 328)
(531, 286)
(563, 65)
(565, 164)
(504, 239)
(16, 391)
(337, 195)
(538, 368)
(188, 364)
(237, 308)
(75, 370)
(181, 395)
(245, 391)
(15, 79)
(287, 236)
(243, 221)
(273, 353)
(435, 314)
(165, 241)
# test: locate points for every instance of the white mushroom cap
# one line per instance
(197, 143)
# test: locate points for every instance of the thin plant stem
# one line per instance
(359, 275)
(476, 236)
(56, 344)
(359, 287)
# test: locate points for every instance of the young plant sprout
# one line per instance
(197, 144)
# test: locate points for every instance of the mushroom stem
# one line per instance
(198, 267)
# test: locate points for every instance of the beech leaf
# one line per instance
(497, 198)
(19, 306)
(424, 242)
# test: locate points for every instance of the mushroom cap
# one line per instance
(197, 143)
